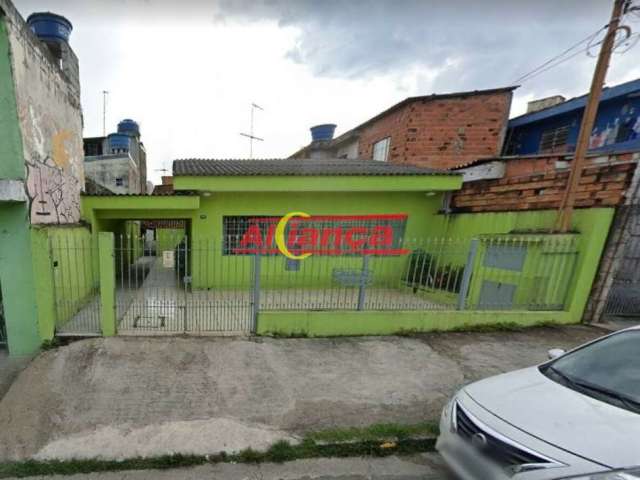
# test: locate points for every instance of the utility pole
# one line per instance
(563, 222)
(104, 112)
(250, 135)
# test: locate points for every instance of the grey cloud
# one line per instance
(492, 42)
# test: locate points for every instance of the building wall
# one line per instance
(592, 225)
(441, 133)
(617, 128)
(235, 271)
(538, 182)
(41, 148)
(50, 119)
(348, 149)
(106, 169)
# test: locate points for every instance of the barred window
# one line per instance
(321, 234)
(554, 139)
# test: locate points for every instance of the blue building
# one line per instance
(555, 128)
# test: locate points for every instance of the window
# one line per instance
(554, 139)
(606, 370)
(381, 149)
(119, 182)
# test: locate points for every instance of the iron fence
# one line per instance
(176, 284)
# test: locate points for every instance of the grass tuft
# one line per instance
(376, 432)
(376, 440)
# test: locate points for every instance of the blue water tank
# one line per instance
(118, 142)
(323, 132)
(128, 126)
(50, 26)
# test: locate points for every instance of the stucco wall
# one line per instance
(50, 119)
(104, 170)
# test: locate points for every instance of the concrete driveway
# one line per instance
(126, 397)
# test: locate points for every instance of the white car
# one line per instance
(576, 416)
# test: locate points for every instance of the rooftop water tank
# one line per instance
(128, 126)
(118, 142)
(50, 26)
(323, 132)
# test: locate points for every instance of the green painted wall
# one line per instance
(349, 323)
(211, 269)
(17, 280)
(591, 227)
(11, 158)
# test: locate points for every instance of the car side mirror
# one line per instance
(555, 353)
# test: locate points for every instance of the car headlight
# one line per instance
(623, 474)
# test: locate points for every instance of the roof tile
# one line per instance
(295, 167)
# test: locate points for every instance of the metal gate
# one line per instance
(76, 283)
(179, 286)
(624, 296)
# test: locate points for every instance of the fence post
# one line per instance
(255, 304)
(107, 284)
(466, 276)
(363, 282)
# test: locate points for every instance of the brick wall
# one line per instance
(532, 183)
(442, 133)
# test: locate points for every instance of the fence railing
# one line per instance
(76, 283)
(179, 284)
(504, 272)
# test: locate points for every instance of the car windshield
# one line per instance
(608, 370)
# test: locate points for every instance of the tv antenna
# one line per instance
(104, 112)
(250, 135)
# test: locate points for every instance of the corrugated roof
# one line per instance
(293, 167)
(575, 103)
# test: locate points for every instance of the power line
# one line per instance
(630, 10)
(589, 38)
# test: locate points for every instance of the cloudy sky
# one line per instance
(189, 70)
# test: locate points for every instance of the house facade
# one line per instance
(41, 171)
(554, 129)
(117, 162)
(435, 131)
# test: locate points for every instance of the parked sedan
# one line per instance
(576, 416)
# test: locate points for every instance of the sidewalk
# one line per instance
(122, 397)
(10, 367)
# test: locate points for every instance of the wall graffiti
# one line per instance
(53, 194)
(623, 127)
(53, 175)
(48, 104)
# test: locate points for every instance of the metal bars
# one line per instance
(76, 282)
(182, 285)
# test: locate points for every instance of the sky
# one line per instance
(189, 70)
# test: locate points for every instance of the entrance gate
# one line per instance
(170, 286)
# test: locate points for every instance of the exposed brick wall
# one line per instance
(443, 133)
(532, 183)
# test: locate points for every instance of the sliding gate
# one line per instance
(174, 286)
